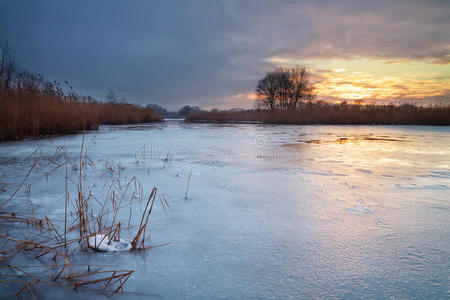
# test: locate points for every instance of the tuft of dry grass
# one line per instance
(338, 114)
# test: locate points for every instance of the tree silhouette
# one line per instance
(284, 88)
(7, 65)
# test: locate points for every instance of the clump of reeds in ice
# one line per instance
(54, 246)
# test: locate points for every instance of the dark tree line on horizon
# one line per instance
(186, 110)
(284, 88)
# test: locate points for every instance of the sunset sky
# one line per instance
(212, 53)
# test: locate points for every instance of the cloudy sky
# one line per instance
(211, 53)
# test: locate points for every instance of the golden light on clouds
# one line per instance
(249, 96)
(375, 80)
(360, 85)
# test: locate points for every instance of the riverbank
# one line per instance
(334, 114)
(39, 113)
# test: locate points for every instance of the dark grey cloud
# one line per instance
(203, 52)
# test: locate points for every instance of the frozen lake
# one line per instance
(271, 212)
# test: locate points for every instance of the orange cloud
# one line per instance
(248, 96)
(361, 85)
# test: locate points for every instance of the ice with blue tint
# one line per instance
(271, 211)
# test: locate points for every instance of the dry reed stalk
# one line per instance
(140, 236)
(28, 287)
(82, 204)
(187, 186)
(123, 275)
(23, 181)
(66, 199)
(11, 217)
(162, 203)
(28, 245)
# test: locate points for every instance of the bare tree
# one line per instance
(284, 88)
(301, 87)
(29, 83)
(7, 65)
(266, 91)
(111, 97)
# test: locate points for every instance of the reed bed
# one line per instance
(53, 245)
(39, 112)
(336, 114)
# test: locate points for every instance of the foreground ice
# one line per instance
(278, 212)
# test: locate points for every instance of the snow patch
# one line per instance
(101, 243)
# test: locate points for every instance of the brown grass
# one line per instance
(30, 114)
(52, 247)
(339, 114)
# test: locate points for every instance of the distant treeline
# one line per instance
(339, 114)
(31, 106)
(183, 112)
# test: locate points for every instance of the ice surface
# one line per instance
(359, 209)
(273, 221)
